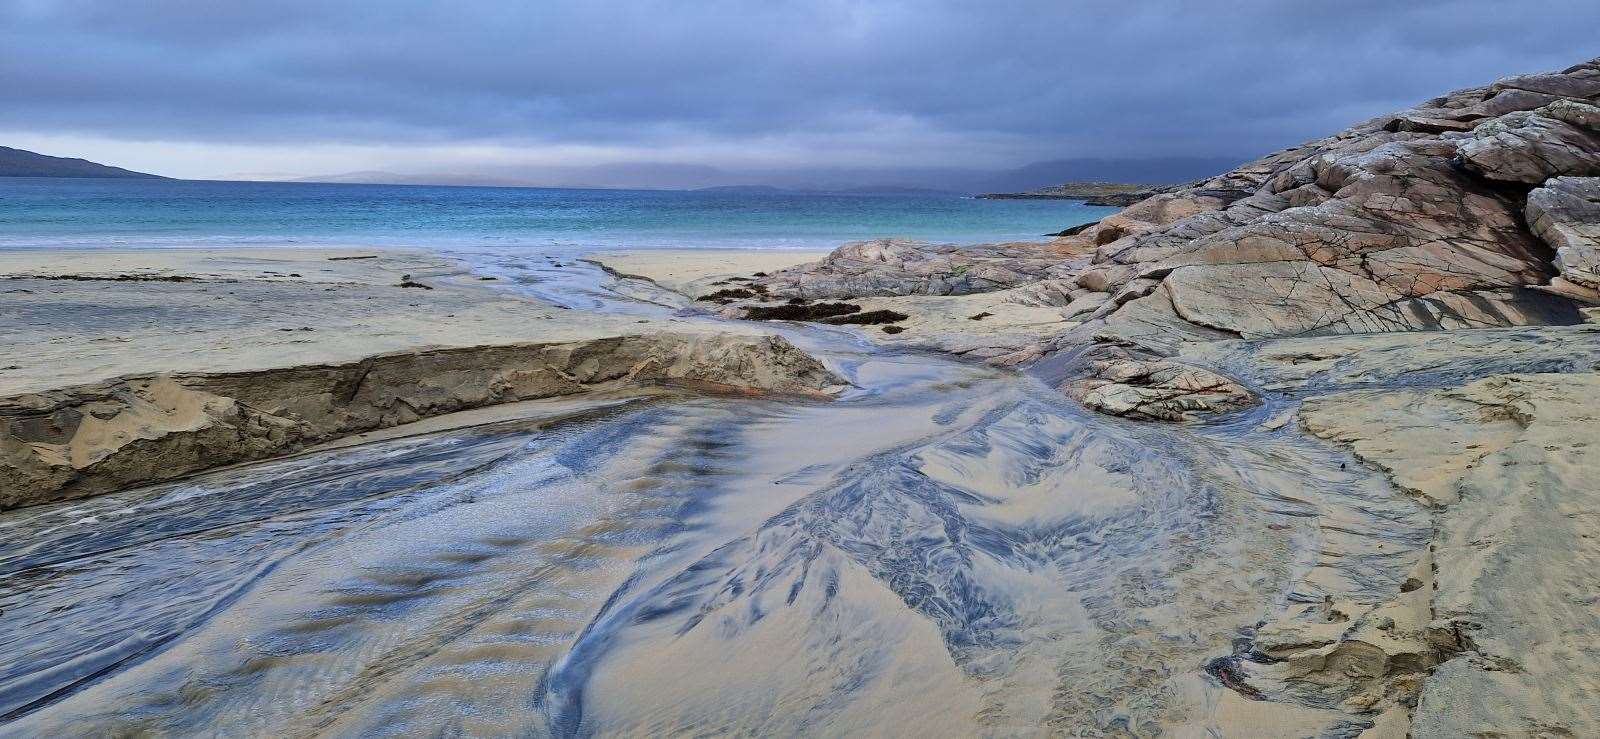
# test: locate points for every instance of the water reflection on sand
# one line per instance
(949, 549)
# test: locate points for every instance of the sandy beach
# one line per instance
(1304, 448)
(231, 310)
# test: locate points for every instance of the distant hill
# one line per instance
(378, 177)
(861, 190)
(668, 176)
(20, 163)
(746, 188)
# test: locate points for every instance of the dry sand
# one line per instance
(249, 309)
(690, 271)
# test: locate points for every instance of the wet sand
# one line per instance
(964, 552)
(947, 548)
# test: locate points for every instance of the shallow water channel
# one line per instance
(947, 549)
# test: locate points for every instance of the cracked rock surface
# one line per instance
(1475, 209)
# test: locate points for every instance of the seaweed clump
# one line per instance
(789, 312)
(869, 318)
(727, 295)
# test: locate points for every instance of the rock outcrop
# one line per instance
(1412, 221)
(81, 441)
(887, 267)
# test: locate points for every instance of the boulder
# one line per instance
(1531, 147)
(1565, 213)
(1163, 390)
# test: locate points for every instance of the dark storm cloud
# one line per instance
(965, 81)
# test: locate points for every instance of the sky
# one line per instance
(664, 92)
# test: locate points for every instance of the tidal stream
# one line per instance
(948, 549)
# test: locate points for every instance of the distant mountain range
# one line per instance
(21, 163)
(862, 190)
(662, 176)
(380, 177)
(668, 176)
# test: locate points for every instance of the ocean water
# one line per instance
(43, 212)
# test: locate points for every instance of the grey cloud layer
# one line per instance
(1007, 79)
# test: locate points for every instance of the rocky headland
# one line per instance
(1418, 289)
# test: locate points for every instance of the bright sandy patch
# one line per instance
(250, 309)
(690, 271)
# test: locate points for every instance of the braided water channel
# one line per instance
(947, 549)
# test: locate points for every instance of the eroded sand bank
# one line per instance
(128, 367)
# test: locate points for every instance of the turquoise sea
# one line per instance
(45, 212)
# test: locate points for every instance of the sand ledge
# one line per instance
(113, 383)
(80, 441)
